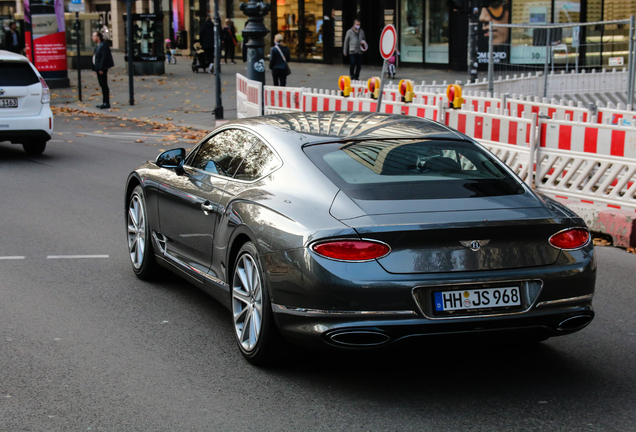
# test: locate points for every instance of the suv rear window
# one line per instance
(413, 169)
(17, 74)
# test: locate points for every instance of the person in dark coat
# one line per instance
(278, 58)
(102, 61)
(12, 39)
(229, 40)
(206, 38)
(355, 44)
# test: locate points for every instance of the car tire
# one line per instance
(140, 250)
(34, 148)
(255, 331)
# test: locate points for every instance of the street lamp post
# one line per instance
(255, 31)
(218, 109)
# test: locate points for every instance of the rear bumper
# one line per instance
(20, 130)
(377, 331)
(373, 309)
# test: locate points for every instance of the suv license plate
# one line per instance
(9, 103)
(476, 299)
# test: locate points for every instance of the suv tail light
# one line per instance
(570, 239)
(46, 93)
(351, 250)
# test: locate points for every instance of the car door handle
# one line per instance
(207, 207)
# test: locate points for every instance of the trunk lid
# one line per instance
(456, 235)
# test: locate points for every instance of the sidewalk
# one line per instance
(186, 98)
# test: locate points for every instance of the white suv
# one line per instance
(25, 112)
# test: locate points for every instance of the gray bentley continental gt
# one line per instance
(358, 231)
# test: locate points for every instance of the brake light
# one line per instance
(46, 94)
(351, 250)
(572, 238)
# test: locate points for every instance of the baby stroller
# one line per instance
(198, 58)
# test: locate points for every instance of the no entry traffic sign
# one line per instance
(387, 42)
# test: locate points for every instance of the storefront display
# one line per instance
(89, 23)
(148, 51)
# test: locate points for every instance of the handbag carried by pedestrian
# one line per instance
(287, 69)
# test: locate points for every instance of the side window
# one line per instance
(259, 162)
(223, 153)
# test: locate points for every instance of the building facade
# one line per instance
(431, 33)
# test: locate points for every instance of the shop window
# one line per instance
(411, 27)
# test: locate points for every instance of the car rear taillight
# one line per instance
(46, 94)
(571, 238)
(351, 250)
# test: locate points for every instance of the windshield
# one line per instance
(413, 169)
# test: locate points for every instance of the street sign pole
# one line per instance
(77, 6)
(388, 39)
(377, 109)
(129, 30)
(79, 63)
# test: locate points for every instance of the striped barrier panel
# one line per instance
(481, 102)
(328, 102)
(431, 112)
(616, 117)
(517, 158)
(552, 109)
(491, 127)
(286, 98)
(249, 99)
(600, 139)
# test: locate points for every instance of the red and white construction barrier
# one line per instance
(431, 112)
(282, 99)
(600, 139)
(249, 102)
(491, 127)
(553, 109)
(482, 101)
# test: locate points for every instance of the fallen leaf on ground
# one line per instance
(631, 250)
(139, 141)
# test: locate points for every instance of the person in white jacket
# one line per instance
(355, 44)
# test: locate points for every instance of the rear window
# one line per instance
(17, 74)
(413, 169)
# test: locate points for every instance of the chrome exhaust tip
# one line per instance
(574, 323)
(359, 338)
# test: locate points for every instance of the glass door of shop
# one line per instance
(301, 24)
(436, 33)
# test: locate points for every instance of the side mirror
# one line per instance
(172, 159)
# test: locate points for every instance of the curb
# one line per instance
(620, 224)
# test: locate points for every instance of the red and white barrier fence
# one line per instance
(553, 109)
(599, 139)
(282, 99)
(249, 97)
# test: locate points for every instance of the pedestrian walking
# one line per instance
(102, 61)
(229, 40)
(355, 44)
(12, 39)
(279, 57)
(206, 38)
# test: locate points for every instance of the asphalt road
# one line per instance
(87, 346)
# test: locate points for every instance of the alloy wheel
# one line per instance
(247, 302)
(136, 231)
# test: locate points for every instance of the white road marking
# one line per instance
(12, 257)
(75, 256)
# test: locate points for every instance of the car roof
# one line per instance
(322, 127)
(9, 56)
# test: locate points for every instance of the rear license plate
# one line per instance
(476, 299)
(9, 103)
